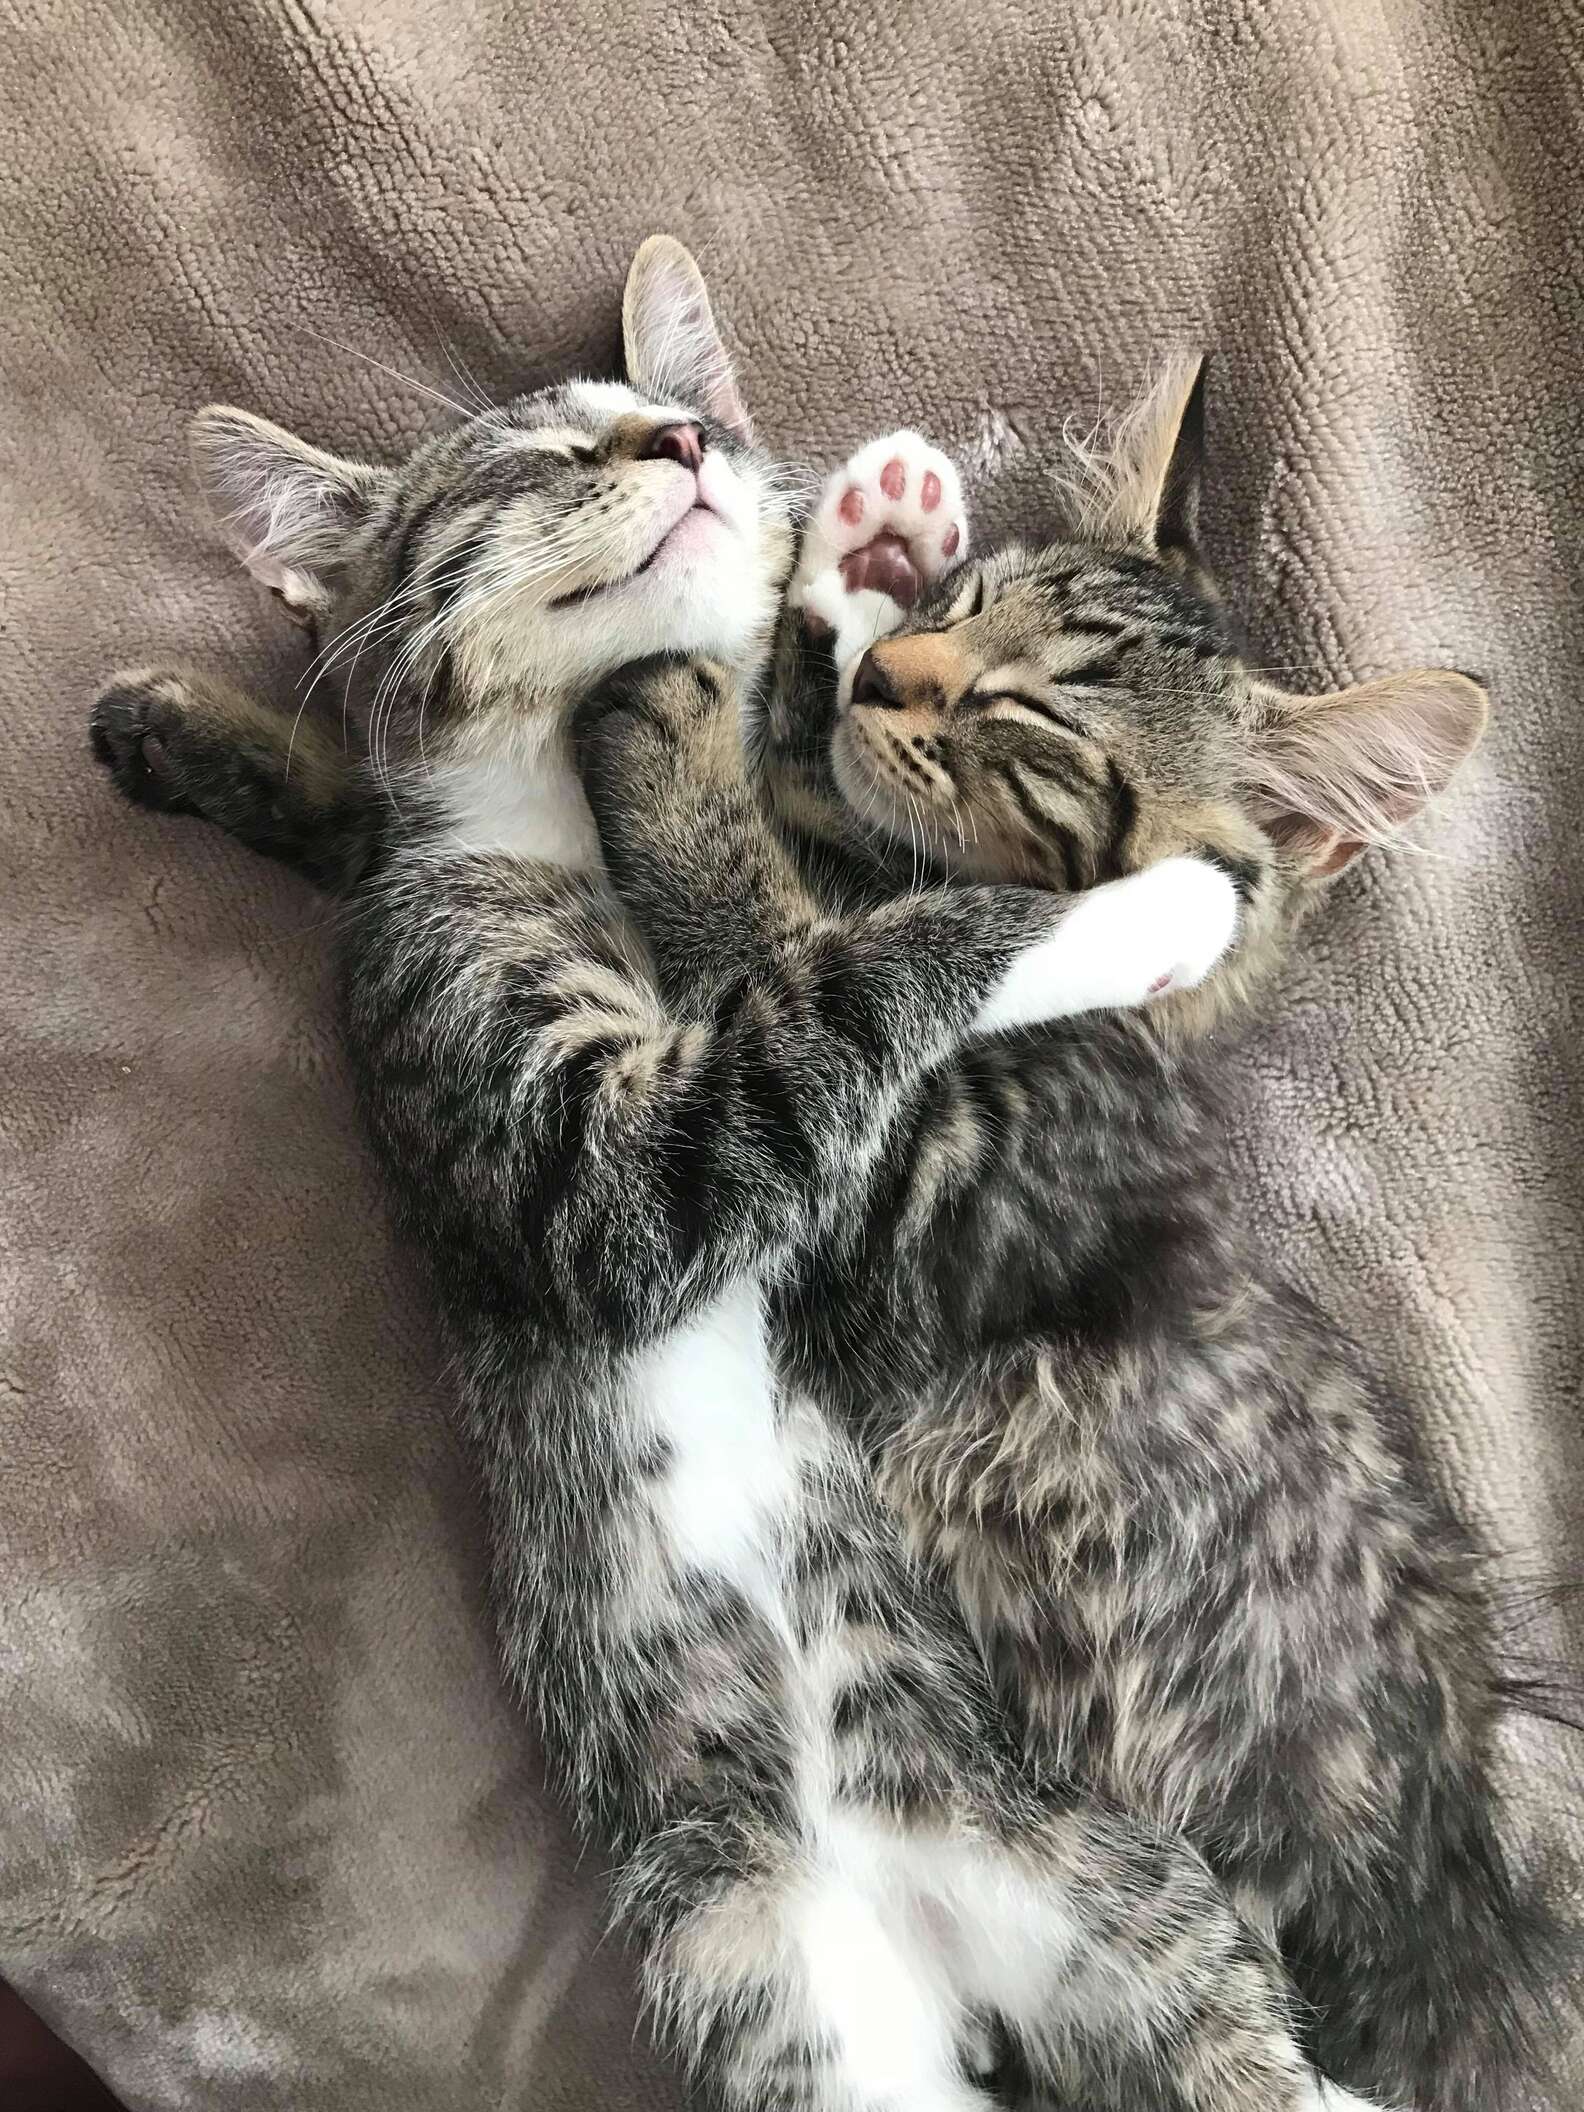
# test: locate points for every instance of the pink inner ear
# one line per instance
(1342, 853)
(1336, 773)
(1324, 852)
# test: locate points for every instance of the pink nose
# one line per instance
(675, 443)
(874, 687)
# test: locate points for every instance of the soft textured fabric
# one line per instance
(274, 1836)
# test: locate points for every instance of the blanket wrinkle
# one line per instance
(275, 1836)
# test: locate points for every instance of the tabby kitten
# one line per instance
(1185, 1524)
(842, 1879)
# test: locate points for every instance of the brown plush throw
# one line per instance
(273, 1835)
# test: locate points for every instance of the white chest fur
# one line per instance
(524, 803)
(709, 1393)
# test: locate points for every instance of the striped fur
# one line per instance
(1188, 1529)
(618, 1149)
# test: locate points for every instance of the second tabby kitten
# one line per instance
(1187, 1525)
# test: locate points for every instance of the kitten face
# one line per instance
(1060, 717)
(570, 532)
(1068, 715)
(508, 564)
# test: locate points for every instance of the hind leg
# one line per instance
(856, 1968)
(789, 1988)
(1118, 1966)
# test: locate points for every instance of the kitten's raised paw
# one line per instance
(888, 524)
(137, 728)
(891, 518)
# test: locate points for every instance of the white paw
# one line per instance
(1121, 945)
(855, 621)
(888, 523)
(898, 486)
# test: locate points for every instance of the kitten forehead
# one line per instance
(600, 399)
(535, 438)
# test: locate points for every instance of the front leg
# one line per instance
(888, 523)
(181, 742)
(725, 911)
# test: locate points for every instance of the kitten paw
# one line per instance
(888, 524)
(1121, 945)
(138, 728)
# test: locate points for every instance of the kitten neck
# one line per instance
(505, 786)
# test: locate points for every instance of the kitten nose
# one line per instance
(873, 686)
(675, 443)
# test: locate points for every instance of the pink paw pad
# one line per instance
(1161, 982)
(889, 522)
(886, 567)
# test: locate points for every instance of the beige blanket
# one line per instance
(272, 1836)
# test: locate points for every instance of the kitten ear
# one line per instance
(1143, 488)
(1333, 774)
(286, 509)
(673, 348)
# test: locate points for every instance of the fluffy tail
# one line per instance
(1457, 1984)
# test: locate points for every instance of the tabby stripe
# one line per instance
(506, 477)
(774, 1117)
(699, 1184)
(561, 1144)
(1124, 817)
(406, 549)
(1203, 644)
(1091, 677)
(1068, 771)
(847, 1007)
(1047, 830)
(454, 569)
(1244, 873)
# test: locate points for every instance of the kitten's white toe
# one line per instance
(888, 523)
(1121, 945)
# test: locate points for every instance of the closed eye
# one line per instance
(1037, 708)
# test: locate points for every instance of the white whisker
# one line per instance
(396, 374)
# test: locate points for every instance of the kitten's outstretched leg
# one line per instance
(717, 896)
(188, 743)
